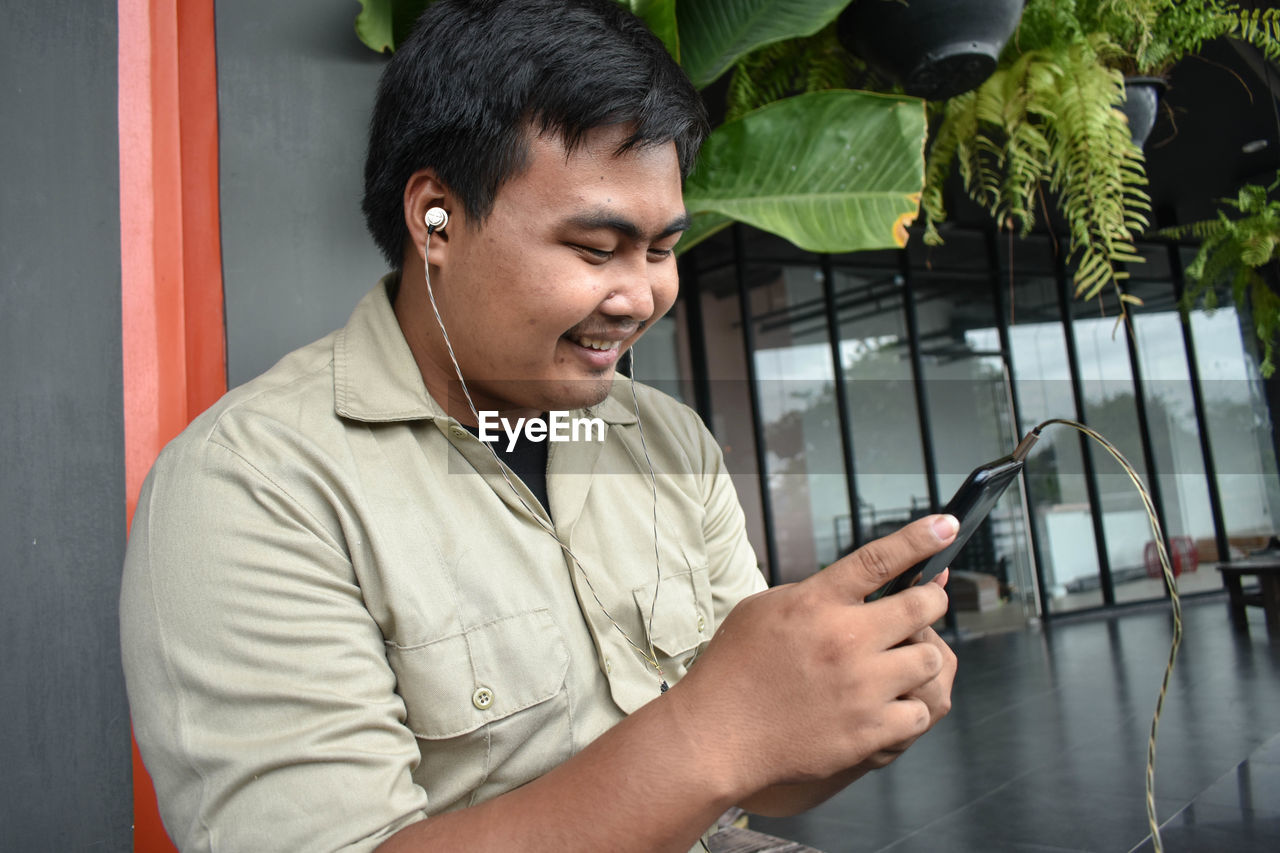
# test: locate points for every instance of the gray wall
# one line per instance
(64, 741)
(295, 87)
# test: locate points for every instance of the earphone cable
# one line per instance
(653, 486)
(650, 657)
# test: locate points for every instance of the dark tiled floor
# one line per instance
(1045, 749)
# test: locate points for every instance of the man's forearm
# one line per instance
(649, 784)
(786, 799)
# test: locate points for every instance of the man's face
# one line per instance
(575, 261)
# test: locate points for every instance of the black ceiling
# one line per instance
(1216, 104)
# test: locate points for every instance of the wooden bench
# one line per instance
(735, 839)
(1267, 571)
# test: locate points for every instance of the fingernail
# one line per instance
(945, 527)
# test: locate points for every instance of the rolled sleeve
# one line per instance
(262, 700)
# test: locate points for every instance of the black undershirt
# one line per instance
(528, 459)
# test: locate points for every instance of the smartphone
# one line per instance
(970, 505)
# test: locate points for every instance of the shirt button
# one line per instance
(458, 432)
(702, 625)
(482, 698)
(608, 666)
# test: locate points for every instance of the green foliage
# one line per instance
(660, 17)
(1231, 253)
(714, 34)
(1048, 118)
(1146, 36)
(786, 68)
(383, 24)
(830, 171)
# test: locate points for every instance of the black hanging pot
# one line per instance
(1141, 101)
(935, 49)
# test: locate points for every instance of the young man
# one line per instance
(347, 625)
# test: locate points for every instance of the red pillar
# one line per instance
(171, 264)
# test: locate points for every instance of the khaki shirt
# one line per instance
(337, 618)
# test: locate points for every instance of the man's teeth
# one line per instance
(593, 343)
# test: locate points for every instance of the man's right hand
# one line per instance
(806, 681)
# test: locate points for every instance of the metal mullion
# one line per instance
(917, 382)
(922, 405)
(1144, 432)
(753, 390)
(1086, 458)
(695, 328)
(842, 399)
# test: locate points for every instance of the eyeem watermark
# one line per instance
(557, 426)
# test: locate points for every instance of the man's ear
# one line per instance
(422, 192)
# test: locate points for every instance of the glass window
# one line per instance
(970, 415)
(1182, 491)
(731, 420)
(662, 356)
(884, 425)
(1239, 425)
(968, 398)
(796, 383)
(1110, 408)
(1054, 475)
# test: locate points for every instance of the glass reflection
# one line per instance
(1110, 408)
(730, 402)
(1239, 427)
(1174, 437)
(796, 382)
(884, 424)
(1054, 474)
(661, 357)
(971, 423)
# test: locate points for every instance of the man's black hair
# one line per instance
(464, 92)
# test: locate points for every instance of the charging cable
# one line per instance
(1024, 447)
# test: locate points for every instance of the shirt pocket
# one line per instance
(488, 706)
(682, 620)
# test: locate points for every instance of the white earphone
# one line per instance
(436, 219)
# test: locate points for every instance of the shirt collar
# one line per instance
(376, 380)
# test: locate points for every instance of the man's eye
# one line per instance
(661, 254)
(594, 254)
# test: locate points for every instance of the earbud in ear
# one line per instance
(436, 219)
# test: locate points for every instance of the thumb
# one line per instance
(876, 563)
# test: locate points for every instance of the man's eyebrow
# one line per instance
(605, 220)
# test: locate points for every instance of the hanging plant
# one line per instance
(1233, 252)
(1050, 118)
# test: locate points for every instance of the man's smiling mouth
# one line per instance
(596, 343)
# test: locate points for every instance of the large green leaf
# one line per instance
(383, 24)
(716, 33)
(831, 171)
(701, 226)
(660, 17)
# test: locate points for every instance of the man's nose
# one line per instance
(631, 292)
